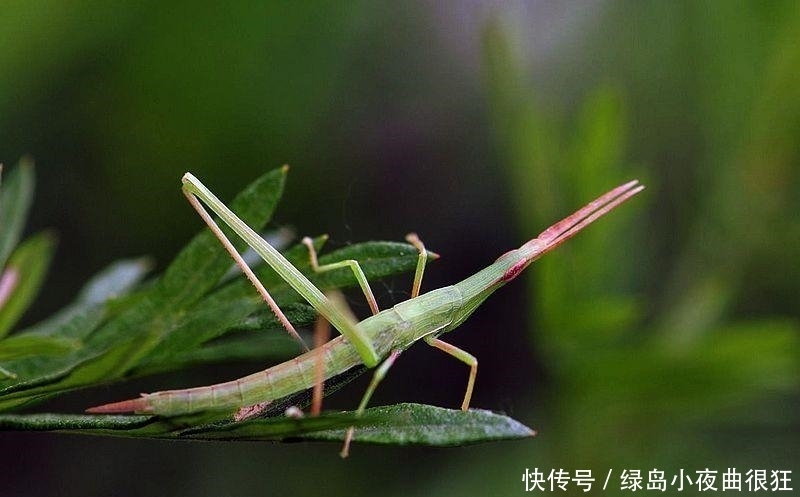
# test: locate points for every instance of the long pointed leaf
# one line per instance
(401, 424)
(16, 195)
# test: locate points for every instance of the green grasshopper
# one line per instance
(374, 342)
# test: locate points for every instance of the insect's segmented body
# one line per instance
(397, 328)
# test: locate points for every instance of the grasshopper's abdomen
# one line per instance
(395, 328)
(270, 384)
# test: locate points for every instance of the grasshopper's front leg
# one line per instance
(352, 264)
(361, 278)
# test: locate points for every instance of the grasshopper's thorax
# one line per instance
(475, 289)
(427, 314)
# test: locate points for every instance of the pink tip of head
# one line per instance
(590, 212)
(565, 229)
(572, 224)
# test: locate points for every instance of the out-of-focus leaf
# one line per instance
(73, 324)
(116, 280)
(28, 267)
(727, 369)
(529, 147)
(20, 346)
(598, 146)
(75, 320)
(16, 195)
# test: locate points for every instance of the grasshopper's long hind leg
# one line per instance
(462, 356)
(353, 264)
(380, 373)
(244, 267)
(322, 333)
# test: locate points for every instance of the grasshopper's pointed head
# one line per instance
(568, 227)
(475, 289)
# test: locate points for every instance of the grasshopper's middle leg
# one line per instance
(380, 373)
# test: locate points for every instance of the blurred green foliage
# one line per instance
(22, 265)
(643, 355)
(665, 336)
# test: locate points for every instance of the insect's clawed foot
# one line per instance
(414, 240)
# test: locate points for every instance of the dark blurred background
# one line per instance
(664, 337)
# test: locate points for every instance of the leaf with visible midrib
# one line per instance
(400, 424)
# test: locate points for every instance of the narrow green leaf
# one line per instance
(421, 424)
(206, 323)
(56, 422)
(26, 270)
(401, 424)
(275, 428)
(21, 346)
(267, 429)
(16, 195)
(116, 280)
